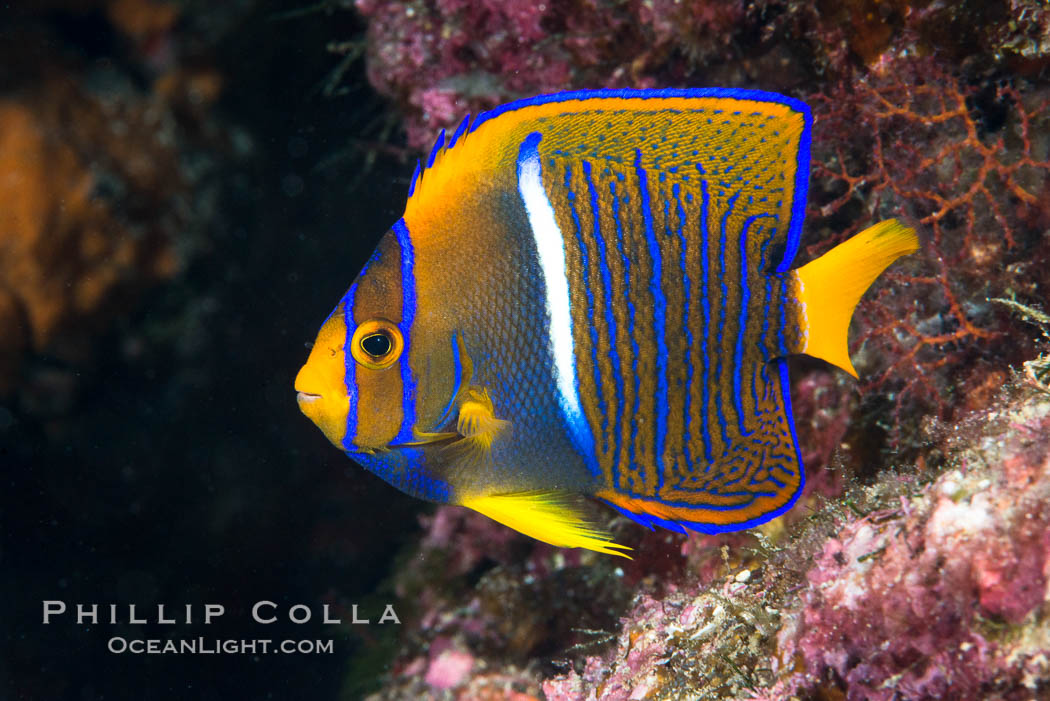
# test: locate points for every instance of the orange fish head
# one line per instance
(358, 385)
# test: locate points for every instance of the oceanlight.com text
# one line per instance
(217, 646)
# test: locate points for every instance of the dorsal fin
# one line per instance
(439, 144)
(460, 130)
(415, 179)
(437, 153)
(728, 140)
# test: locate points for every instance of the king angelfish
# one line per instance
(591, 295)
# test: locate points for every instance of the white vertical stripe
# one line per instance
(551, 249)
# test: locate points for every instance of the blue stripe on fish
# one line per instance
(724, 301)
(460, 130)
(641, 519)
(781, 322)
(603, 256)
(659, 320)
(457, 380)
(633, 93)
(350, 377)
(745, 302)
(408, 316)
(687, 292)
(416, 175)
(592, 329)
(439, 143)
(798, 203)
(705, 307)
(630, 335)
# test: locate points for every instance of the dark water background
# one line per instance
(184, 473)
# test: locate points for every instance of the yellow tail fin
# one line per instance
(830, 287)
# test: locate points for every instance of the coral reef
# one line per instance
(484, 616)
(945, 595)
(440, 59)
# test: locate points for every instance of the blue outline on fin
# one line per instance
(460, 130)
(714, 529)
(416, 176)
(642, 519)
(439, 143)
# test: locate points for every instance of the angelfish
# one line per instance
(591, 294)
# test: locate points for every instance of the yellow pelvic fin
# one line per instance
(547, 516)
(830, 287)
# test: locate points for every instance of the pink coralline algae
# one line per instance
(441, 59)
(944, 596)
(448, 668)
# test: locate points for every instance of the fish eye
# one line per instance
(377, 344)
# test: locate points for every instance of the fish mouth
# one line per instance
(306, 397)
